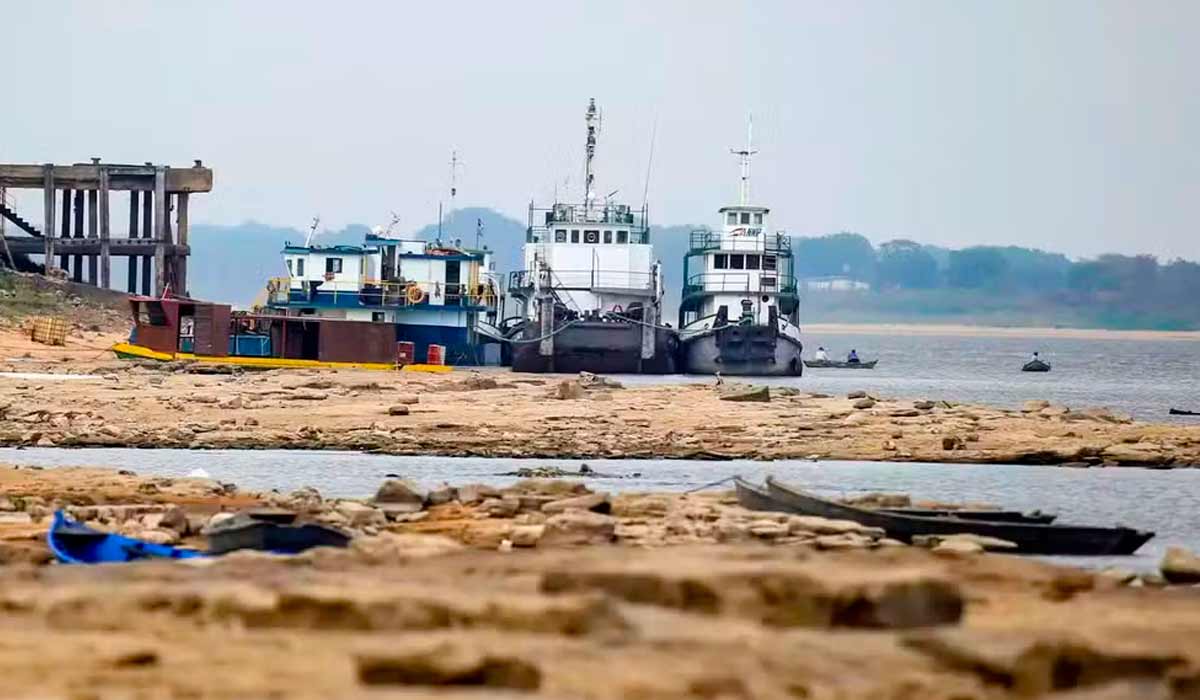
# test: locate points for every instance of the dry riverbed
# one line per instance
(501, 414)
(547, 590)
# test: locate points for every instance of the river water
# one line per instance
(1166, 502)
(1143, 378)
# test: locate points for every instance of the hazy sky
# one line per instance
(1054, 123)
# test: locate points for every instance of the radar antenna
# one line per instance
(593, 129)
(744, 156)
(312, 231)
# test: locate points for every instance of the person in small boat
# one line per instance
(1035, 357)
(852, 358)
(821, 355)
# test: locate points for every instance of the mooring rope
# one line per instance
(710, 485)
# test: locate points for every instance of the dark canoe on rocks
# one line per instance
(271, 531)
(833, 364)
(1035, 366)
(753, 497)
(1030, 538)
(76, 543)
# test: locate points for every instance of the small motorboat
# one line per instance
(839, 364)
(1030, 538)
(271, 531)
(1035, 366)
(1182, 412)
(75, 543)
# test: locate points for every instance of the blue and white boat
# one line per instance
(433, 293)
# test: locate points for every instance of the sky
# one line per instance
(1069, 125)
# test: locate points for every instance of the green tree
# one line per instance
(907, 265)
(980, 267)
(839, 254)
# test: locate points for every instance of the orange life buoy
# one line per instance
(414, 294)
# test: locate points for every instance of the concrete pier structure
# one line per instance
(76, 232)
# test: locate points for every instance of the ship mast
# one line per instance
(593, 127)
(744, 155)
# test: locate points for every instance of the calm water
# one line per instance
(1139, 377)
(1163, 501)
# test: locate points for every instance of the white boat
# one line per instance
(740, 310)
(590, 294)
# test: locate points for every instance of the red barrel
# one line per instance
(406, 353)
(436, 355)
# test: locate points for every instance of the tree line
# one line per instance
(1117, 290)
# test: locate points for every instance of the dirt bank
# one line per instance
(512, 415)
(597, 608)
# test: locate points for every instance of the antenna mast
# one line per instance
(312, 231)
(593, 128)
(745, 155)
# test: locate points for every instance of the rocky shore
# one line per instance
(546, 589)
(499, 414)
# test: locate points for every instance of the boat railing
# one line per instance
(375, 293)
(583, 279)
(545, 234)
(596, 213)
(707, 239)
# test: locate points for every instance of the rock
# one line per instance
(846, 540)
(216, 519)
(857, 395)
(471, 494)
(578, 527)
(744, 392)
(1119, 575)
(923, 405)
(391, 546)
(441, 495)
(250, 422)
(595, 502)
(827, 526)
(234, 403)
(1054, 411)
(158, 536)
(397, 491)
(175, 519)
(407, 399)
(864, 403)
(1180, 566)
(1034, 406)
(449, 665)
(526, 535)
(594, 381)
(987, 543)
(957, 547)
(505, 507)
(397, 410)
(567, 389)
(360, 514)
(504, 546)
(768, 529)
(856, 419)
(952, 442)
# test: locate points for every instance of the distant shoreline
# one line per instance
(931, 329)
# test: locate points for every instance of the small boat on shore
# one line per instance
(839, 364)
(75, 543)
(1182, 412)
(1030, 538)
(1035, 366)
(270, 531)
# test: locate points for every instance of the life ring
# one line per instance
(414, 294)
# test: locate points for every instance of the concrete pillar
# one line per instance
(134, 213)
(105, 220)
(93, 220)
(147, 233)
(48, 206)
(162, 233)
(66, 227)
(77, 263)
(181, 227)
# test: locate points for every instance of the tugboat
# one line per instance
(740, 311)
(590, 294)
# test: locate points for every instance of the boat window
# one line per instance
(608, 236)
(560, 235)
(299, 267)
(758, 218)
(289, 264)
(731, 219)
(751, 262)
(767, 282)
(591, 236)
(768, 262)
(333, 265)
(720, 261)
(376, 317)
(150, 313)
(574, 235)
(622, 236)
(737, 262)
(745, 217)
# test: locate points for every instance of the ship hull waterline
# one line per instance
(760, 354)
(599, 347)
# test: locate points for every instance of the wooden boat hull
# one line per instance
(272, 534)
(1181, 412)
(1035, 366)
(1030, 538)
(129, 351)
(75, 543)
(833, 364)
(743, 351)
